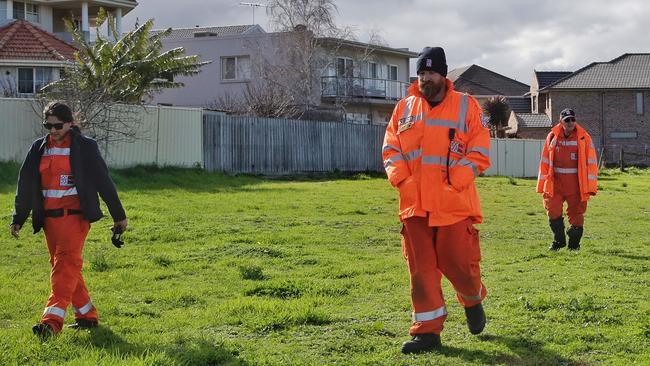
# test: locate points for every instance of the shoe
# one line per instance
(575, 234)
(43, 331)
(422, 343)
(559, 240)
(475, 318)
(83, 324)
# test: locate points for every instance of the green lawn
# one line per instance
(222, 270)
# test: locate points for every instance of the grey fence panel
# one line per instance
(279, 146)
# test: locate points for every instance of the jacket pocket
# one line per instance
(408, 194)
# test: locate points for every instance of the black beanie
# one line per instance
(432, 59)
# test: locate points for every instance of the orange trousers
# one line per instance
(431, 252)
(65, 238)
(575, 207)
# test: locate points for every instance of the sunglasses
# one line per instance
(57, 126)
(567, 120)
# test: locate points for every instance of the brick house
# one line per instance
(610, 99)
(532, 122)
(483, 84)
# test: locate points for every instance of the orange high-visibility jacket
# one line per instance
(416, 145)
(587, 164)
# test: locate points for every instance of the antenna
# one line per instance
(254, 6)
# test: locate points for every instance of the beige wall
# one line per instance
(168, 136)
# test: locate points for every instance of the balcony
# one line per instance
(365, 88)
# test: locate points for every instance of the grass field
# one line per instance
(222, 270)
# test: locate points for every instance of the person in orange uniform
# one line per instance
(568, 171)
(436, 143)
(58, 183)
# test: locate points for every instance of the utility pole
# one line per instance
(254, 6)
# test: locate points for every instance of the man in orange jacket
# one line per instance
(58, 184)
(434, 147)
(568, 171)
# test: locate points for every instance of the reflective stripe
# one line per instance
(435, 160)
(59, 193)
(407, 107)
(568, 143)
(391, 147)
(65, 151)
(84, 309)
(481, 150)
(54, 311)
(462, 115)
(477, 297)
(465, 162)
(592, 161)
(592, 177)
(566, 170)
(545, 160)
(429, 315)
(413, 154)
(541, 176)
(442, 123)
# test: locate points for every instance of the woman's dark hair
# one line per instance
(59, 110)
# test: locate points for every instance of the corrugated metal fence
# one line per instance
(192, 137)
(277, 146)
(166, 135)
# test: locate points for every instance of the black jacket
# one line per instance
(90, 175)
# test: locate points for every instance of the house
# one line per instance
(30, 58)
(34, 44)
(610, 100)
(358, 82)
(534, 123)
(528, 125)
(483, 84)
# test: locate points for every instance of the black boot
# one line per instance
(43, 331)
(422, 343)
(575, 234)
(475, 318)
(83, 324)
(559, 240)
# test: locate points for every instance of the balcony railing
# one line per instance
(340, 86)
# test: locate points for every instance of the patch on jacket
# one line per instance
(66, 181)
(485, 121)
(574, 156)
(457, 147)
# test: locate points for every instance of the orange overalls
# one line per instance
(65, 233)
(434, 168)
(568, 172)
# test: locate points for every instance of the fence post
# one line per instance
(621, 160)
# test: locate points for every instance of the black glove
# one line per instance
(116, 238)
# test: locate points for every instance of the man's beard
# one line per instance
(430, 90)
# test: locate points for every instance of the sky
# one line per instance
(510, 37)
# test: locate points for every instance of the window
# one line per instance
(3, 10)
(639, 103)
(392, 72)
(236, 68)
(26, 11)
(31, 80)
(42, 77)
(26, 81)
(358, 118)
(372, 70)
(344, 67)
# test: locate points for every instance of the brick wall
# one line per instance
(612, 109)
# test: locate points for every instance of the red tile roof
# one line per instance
(21, 40)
